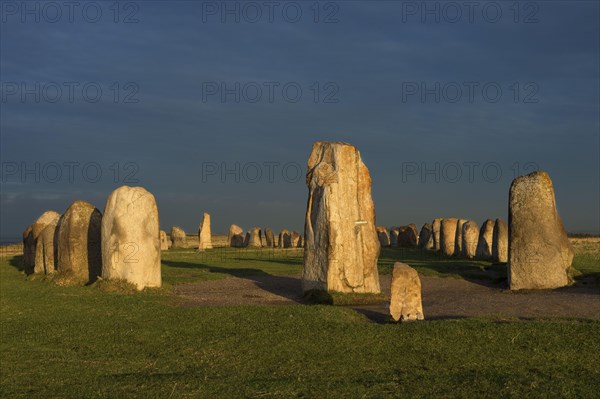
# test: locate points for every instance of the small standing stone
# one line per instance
(470, 236)
(384, 236)
(486, 237)
(269, 238)
(448, 235)
(178, 237)
(236, 236)
(405, 296)
(426, 237)
(204, 234)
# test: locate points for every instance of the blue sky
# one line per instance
(368, 71)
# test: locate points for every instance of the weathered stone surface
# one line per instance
(458, 237)
(47, 249)
(235, 238)
(285, 239)
(426, 237)
(394, 231)
(269, 238)
(204, 234)
(484, 244)
(300, 241)
(130, 238)
(164, 241)
(79, 242)
(408, 236)
(405, 295)
(46, 219)
(470, 237)
(296, 239)
(500, 242)
(28, 249)
(178, 237)
(436, 227)
(341, 244)
(254, 238)
(540, 253)
(448, 235)
(384, 236)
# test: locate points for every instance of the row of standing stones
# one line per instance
(534, 243)
(452, 237)
(341, 240)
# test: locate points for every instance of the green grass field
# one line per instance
(84, 342)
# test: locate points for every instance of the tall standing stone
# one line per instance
(405, 295)
(204, 235)
(269, 238)
(484, 244)
(254, 238)
(130, 238)
(285, 239)
(47, 246)
(540, 253)
(426, 237)
(296, 239)
(408, 236)
(235, 238)
(48, 218)
(470, 237)
(28, 249)
(164, 241)
(79, 242)
(500, 242)
(448, 235)
(178, 237)
(341, 247)
(458, 237)
(436, 227)
(394, 232)
(383, 235)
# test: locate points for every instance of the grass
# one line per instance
(104, 341)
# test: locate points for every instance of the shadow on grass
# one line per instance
(17, 262)
(287, 287)
(431, 264)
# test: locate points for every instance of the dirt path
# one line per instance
(443, 298)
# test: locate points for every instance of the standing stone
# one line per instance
(341, 246)
(79, 242)
(500, 242)
(405, 295)
(458, 237)
(484, 244)
(235, 238)
(28, 249)
(408, 236)
(296, 239)
(394, 232)
(300, 241)
(470, 237)
(204, 235)
(269, 238)
(540, 253)
(164, 240)
(178, 237)
(383, 235)
(46, 219)
(254, 238)
(436, 227)
(426, 237)
(47, 245)
(285, 239)
(448, 235)
(130, 238)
